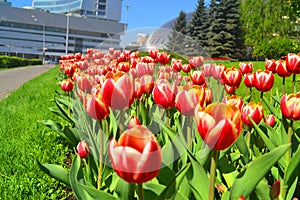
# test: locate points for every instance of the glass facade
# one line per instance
(58, 6)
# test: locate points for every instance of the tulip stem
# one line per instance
(261, 97)
(293, 83)
(189, 132)
(213, 167)
(100, 161)
(282, 87)
(289, 140)
(140, 191)
(248, 138)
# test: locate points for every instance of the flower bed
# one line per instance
(148, 129)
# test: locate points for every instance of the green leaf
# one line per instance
(95, 194)
(291, 190)
(152, 190)
(198, 179)
(165, 176)
(76, 177)
(247, 180)
(292, 168)
(125, 190)
(243, 148)
(64, 111)
(172, 189)
(270, 107)
(55, 171)
(267, 141)
(66, 132)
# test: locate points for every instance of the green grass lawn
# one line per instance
(23, 140)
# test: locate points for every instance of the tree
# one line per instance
(217, 35)
(177, 34)
(265, 21)
(235, 42)
(199, 24)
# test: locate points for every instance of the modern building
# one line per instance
(106, 9)
(39, 33)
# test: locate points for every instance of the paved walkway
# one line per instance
(12, 79)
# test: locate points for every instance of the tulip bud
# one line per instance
(248, 80)
(246, 67)
(196, 62)
(96, 107)
(271, 65)
(187, 99)
(281, 69)
(164, 94)
(219, 125)
(232, 77)
(136, 156)
(263, 80)
(290, 106)
(234, 100)
(293, 63)
(270, 120)
(67, 85)
(198, 77)
(275, 190)
(83, 149)
(254, 111)
(217, 71)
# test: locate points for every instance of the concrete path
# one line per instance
(12, 79)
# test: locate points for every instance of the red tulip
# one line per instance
(153, 53)
(196, 62)
(84, 83)
(234, 100)
(232, 77)
(83, 149)
(198, 77)
(207, 68)
(138, 92)
(164, 94)
(281, 69)
(123, 66)
(263, 80)
(219, 125)
(163, 58)
(246, 67)
(141, 69)
(293, 63)
(136, 157)
(96, 107)
(147, 83)
(290, 106)
(248, 80)
(230, 89)
(271, 65)
(187, 99)
(69, 70)
(254, 111)
(118, 92)
(67, 85)
(176, 65)
(217, 71)
(270, 120)
(186, 68)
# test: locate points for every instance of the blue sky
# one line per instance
(143, 13)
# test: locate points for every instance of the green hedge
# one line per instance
(13, 61)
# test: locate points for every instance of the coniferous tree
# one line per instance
(196, 28)
(233, 27)
(177, 34)
(217, 35)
